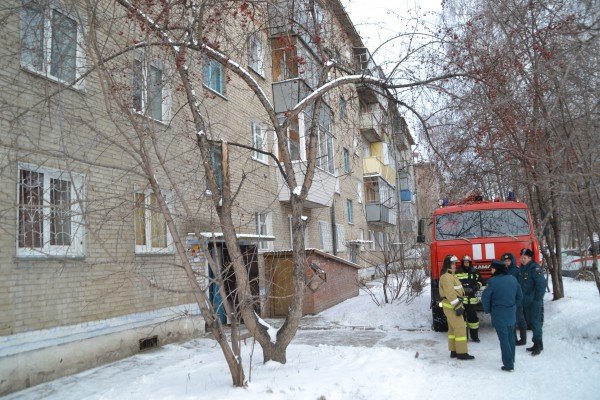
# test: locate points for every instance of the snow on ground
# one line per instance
(357, 350)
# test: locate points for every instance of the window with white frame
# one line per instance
(382, 239)
(256, 52)
(150, 95)
(325, 236)
(325, 149)
(361, 236)
(151, 232)
(213, 75)
(346, 155)
(371, 240)
(50, 219)
(264, 228)
(340, 238)
(51, 41)
(350, 211)
(259, 141)
(359, 192)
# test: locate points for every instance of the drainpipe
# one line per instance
(333, 229)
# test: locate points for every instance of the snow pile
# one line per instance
(361, 351)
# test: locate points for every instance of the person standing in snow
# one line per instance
(500, 298)
(471, 282)
(533, 283)
(451, 293)
(511, 264)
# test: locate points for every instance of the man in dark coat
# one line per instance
(533, 284)
(511, 264)
(500, 298)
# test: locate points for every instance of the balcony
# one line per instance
(371, 126)
(380, 213)
(321, 192)
(287, 94)
(372, 166)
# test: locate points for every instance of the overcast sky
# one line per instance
(380, 20)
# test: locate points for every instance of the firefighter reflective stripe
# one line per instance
(460, 338)
(446, 305)
(458, 287)
(470, 300)
(473, 325)
(451, 337)
(462, 275)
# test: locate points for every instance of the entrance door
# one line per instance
(281, 287)
(213, 289)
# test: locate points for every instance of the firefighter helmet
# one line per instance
(467, 258)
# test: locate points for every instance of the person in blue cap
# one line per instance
(533, 284)
(500, 298)
(511, 264)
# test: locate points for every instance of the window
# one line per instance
(293, 140)
(346, 160)
(151, 233)
(50, 42)
(149, 93)
(325, 150)
(350, 211)
(263, 228)
(255, 49)
(382, 241)
(359, 192)
(342, 103)
(259, 141)
(341, 238)
(213, 76)
(371, 240)
(216, 163)
(50, 215)
(489, 223)
(325, 236)
(362, 239)
(405, 193)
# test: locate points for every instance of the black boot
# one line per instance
(535, 349)
(474, 335)
(523, 340)
(452, 354)
(541, 345)
(465, 356)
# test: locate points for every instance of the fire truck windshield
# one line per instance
(485, 223)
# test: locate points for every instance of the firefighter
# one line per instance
(533, 283)
(451, 294)
(471, 282)
(500, 298)
(510, 263)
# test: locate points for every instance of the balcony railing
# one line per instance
(377, 212)
(372, 166)
(371, 126)
(320, 193)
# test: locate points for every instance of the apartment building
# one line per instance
(88, 117)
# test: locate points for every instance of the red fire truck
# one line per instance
(483, 230)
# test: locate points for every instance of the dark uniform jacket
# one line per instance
(471, 282)
(513, 269)
(500, 298)
(533, 283)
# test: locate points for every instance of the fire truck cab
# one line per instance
(483, 230)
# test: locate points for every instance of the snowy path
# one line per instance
(357, 350)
